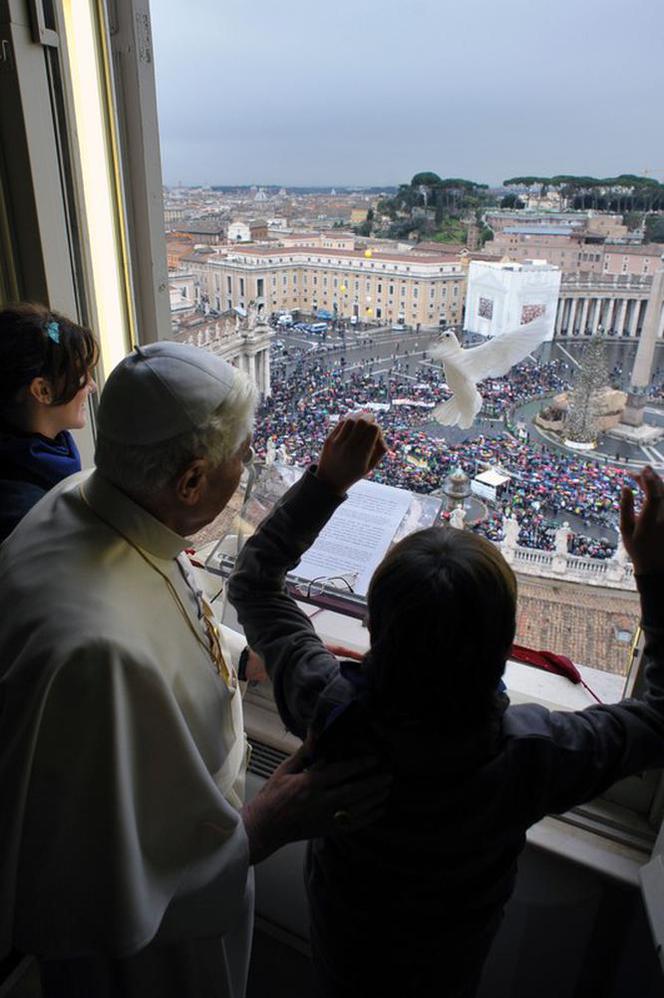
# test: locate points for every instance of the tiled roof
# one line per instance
(203, 225)
(579, 621)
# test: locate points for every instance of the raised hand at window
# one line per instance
(351, 451)
(643, 534)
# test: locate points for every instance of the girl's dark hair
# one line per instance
(442, 615)
(36, 342)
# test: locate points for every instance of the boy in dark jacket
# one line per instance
(410, 905)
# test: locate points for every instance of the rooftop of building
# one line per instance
(198, 255)
(301, 235)
(587, 623)
(448, 249)
(541, 230)
(527, 265)
(202, 225)
(383, 256)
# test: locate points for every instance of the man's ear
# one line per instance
(190, 483)
(40, 390)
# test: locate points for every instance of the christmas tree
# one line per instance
(581, 424)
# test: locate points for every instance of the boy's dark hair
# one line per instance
(36, 342)
(442, 616)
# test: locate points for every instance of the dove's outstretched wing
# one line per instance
(495, 358)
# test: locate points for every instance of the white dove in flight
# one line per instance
(464, 368)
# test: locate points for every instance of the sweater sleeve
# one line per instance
(567, 758)
(297, 661)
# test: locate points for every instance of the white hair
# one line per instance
(143, 469)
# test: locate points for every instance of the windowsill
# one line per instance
(590, 849)
(524, 683)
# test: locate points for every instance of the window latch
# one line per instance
(41, 34)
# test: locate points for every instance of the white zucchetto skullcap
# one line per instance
(160, 391)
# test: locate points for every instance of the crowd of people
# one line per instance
(538, 531)
(545, 485)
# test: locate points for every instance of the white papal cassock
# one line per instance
(122, 752)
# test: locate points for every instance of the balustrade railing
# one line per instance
(585, 281)
(615, 573)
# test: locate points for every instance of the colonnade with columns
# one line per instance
(578, 314)
(256, 364)
(248, 351)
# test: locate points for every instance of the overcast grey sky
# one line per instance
(372, 91)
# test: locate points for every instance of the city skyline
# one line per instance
(371, 93)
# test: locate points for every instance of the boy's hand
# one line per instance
(643, 535)
(351, 451)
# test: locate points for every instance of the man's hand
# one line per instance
(299, 803)
(256, 671)
(643, 535)
(351, 451)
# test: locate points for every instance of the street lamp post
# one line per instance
(338, 312)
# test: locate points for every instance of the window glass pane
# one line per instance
(93, 142)
(9, 287)
(559, 435)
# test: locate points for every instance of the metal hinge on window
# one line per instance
(6, 56)
(41, 33)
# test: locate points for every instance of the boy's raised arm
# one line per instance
(572, 757)
(296, 660)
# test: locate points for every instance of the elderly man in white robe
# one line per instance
(125, 846)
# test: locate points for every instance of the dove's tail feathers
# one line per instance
(470, 410)
(454, 413)
(448, 413)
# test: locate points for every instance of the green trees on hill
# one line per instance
(366, 227)
(512, 201)
(654, 229)
(433, 207)
(624, 193)
(426, 180)
(441, 208)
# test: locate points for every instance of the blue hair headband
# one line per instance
(53, 331)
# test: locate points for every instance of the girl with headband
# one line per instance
(46, 363)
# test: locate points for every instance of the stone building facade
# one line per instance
(384, 287)
(575, 251)
(243, 343)
(617, 303)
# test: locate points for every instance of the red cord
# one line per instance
(548, 661)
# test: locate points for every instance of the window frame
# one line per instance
(32, 183)
(40, 215)
(125, 36)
